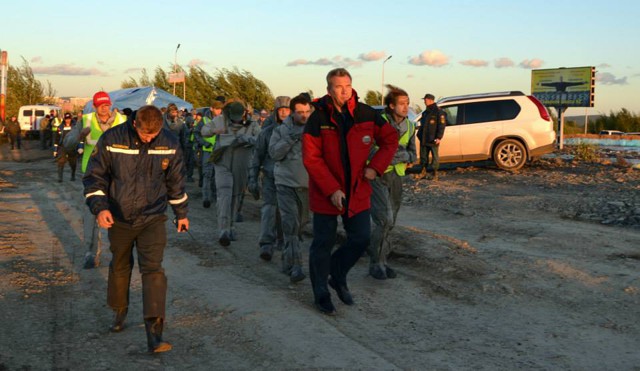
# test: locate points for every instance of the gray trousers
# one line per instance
(208, 174)
(386, 199)
(92, 234)
(229, 188)
(268, 211)
(294, 213)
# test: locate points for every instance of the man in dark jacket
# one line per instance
(336, 144)
(13, 130)
(432, 124)
(135, 172)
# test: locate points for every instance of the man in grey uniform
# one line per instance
(236, 136)
(262, 161)
(292, 183)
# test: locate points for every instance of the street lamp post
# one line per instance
(175, 67)
(382, 87)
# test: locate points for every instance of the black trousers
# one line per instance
(150, 241)
(322, 262)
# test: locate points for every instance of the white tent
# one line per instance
(135, 98)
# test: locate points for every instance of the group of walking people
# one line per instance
(335, 156)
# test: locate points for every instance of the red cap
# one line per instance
(101, 98)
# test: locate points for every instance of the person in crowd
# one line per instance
(131, 204)
(292, 183)
(209, 191)
(12, 128)
(54, 124)
(64, 154)
(174, 122)
(85, 137)
(336, 144)
(189, 150)
(262, 164)
(387, 188)
(45, 132)
(433, 122)
(236, 137)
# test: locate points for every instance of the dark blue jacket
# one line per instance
(136, 180)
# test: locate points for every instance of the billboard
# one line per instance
(564, 87)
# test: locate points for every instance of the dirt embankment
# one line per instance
(530, 270)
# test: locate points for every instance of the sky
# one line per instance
(441, 47)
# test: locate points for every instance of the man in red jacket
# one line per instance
(337, 141)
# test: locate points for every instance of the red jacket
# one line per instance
(326, 158)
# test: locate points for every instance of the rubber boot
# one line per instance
(118, 320)
(154, 326)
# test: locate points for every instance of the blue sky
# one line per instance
(442, 47)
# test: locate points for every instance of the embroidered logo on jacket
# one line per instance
(366, 139)
(327, 127)
(165, 163)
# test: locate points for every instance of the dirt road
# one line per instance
(533, 270)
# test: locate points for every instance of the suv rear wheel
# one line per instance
(510, 155)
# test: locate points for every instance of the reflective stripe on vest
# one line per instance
(401, 167)
(91, 120)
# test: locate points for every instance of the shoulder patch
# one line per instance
(443, 119)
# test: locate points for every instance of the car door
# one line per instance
(480, 125)
(450, 144)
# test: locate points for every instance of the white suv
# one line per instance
(506, 127)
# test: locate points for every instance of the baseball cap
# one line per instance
(67, 115)
(101, 98)
(236, 111)
(429, 96)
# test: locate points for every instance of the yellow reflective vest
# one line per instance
(211, 139)
(403, 141)
(91, 120)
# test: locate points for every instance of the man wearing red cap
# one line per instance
(86, 136)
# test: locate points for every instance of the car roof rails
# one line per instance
(482, 95)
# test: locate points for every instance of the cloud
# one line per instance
(372, 56)
(503, 62)
(197, 62)
(433, 58)
(67, 70)
(604, 65)
(531, 64)
(337, 61)
(36, 59)
(133, 70)
(607, 78)
(475, 63)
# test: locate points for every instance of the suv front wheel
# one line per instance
(510, 155)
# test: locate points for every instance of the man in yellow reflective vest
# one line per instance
(85, 135)
(54, 124)
(387, 189)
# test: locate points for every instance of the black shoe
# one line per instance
(377, 272)
(153, 327)
(206, 204)
(118, 320)
(325, 306)
(342, 291)
(266, 252)
(390, 272)
(224, 239)
(296, 274)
